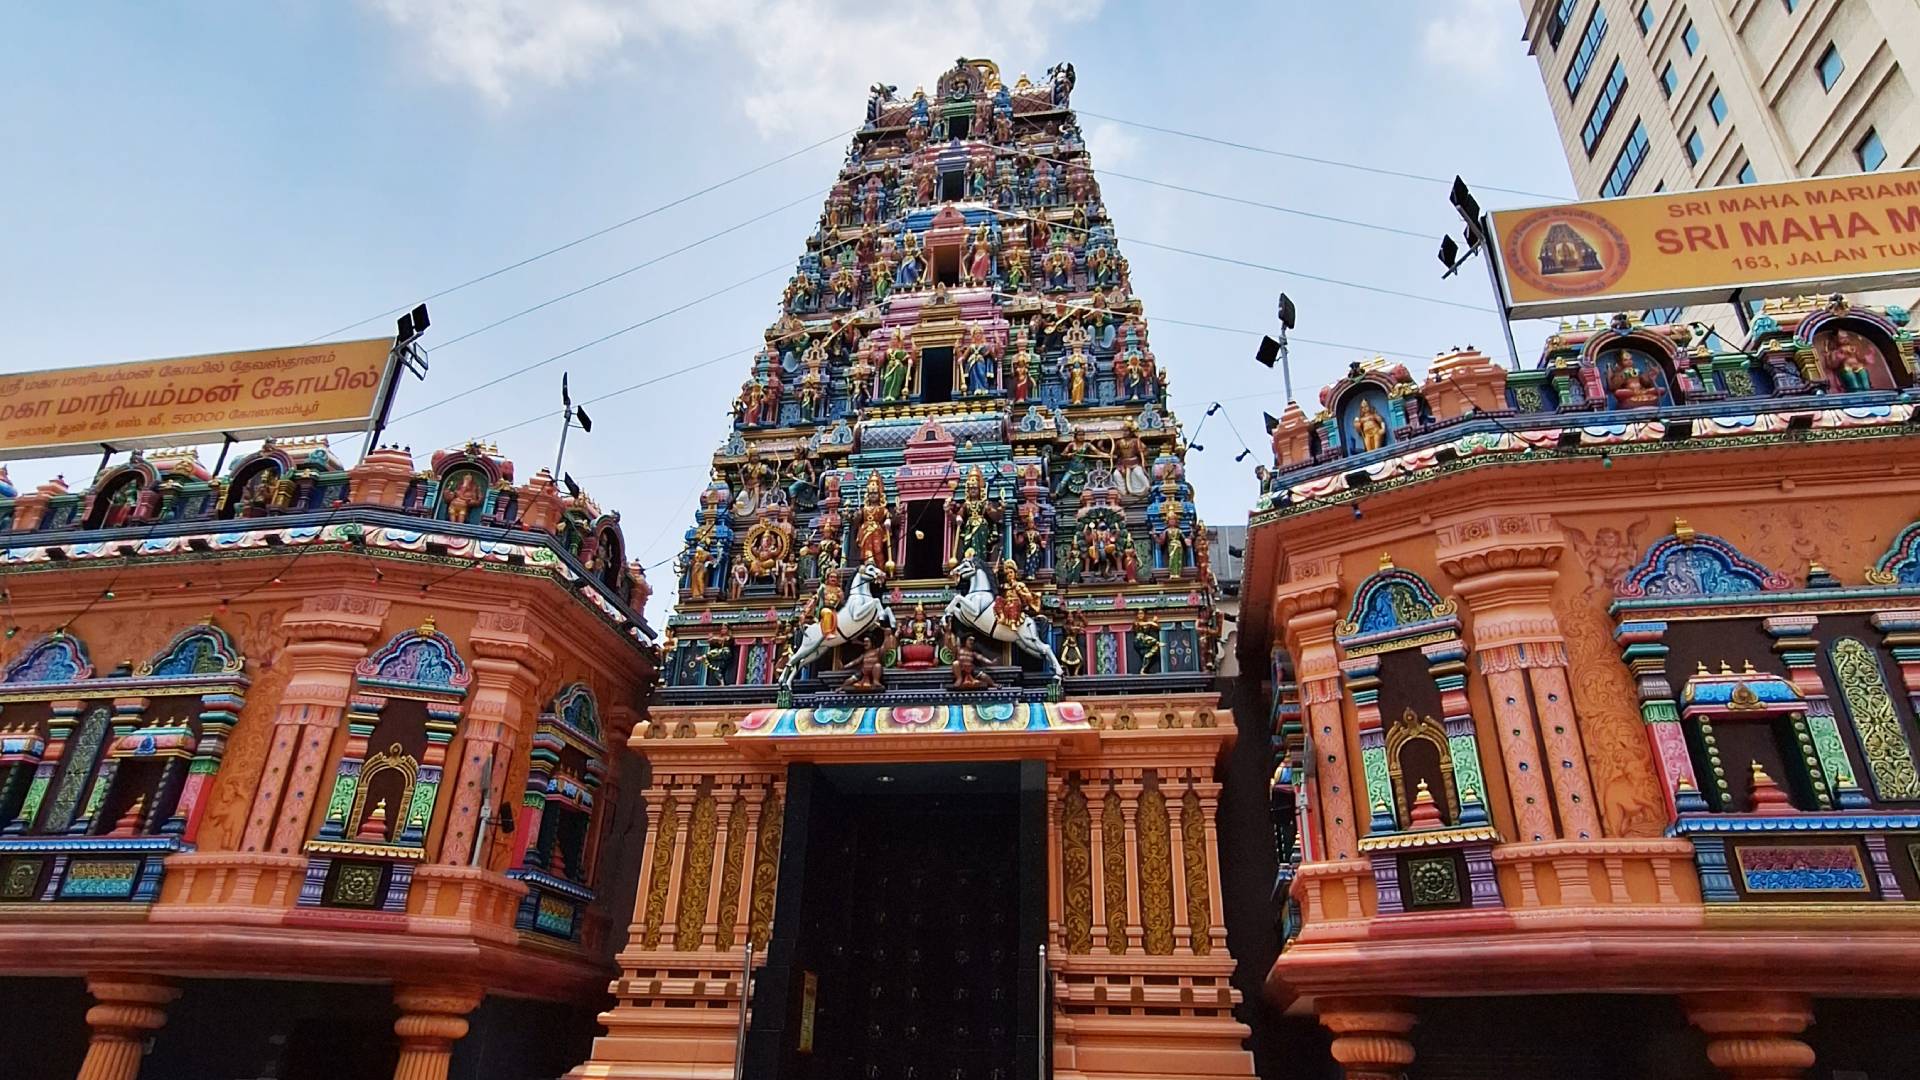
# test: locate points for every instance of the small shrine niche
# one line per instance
(1846, 351)
(1404, 665)
(121, 498)
(559, 825)
(1632, 372)
(402, 716)
(256, 489)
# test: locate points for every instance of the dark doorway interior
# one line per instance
(926, 540)
(904, 952)
(936, 375)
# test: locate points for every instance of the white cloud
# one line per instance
(1469, 36)
(1111, 144)
(801, 62)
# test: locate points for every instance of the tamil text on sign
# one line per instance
(304, 390)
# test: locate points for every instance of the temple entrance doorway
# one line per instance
(908, 924)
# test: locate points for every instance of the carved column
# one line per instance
(507, 664)
(1093, 788)
(1370, 1036)
(1307, 609)
(326, 637)
(131, 1008)
(1754, 1036)
(1129, 787)
(1503, 567)
(432, 1019)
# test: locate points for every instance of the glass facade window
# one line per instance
(1604, 107)
(1557, 22)
(1665, 316)
(1790, 4)
(1695, 148)
(1584, 53)
(1717, 105)
(1645, 16)
(1669, 81)
(1829, 67)
(1746, 173)
(1870, 152)
(1691, 39)
(1627, 165)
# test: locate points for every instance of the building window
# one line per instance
(1870, 151)
(1790, 5)
(1588, 48)
(1746, 173)
(1691, 39)
(1665, 316)
(1557, 22)
(1632, 154)
(1717, 105)
(1659, 187)
(1829, 67)
(1646, 17)
(1668, 80)
(1604, 107)
(1695, 148)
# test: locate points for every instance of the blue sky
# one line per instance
(189, 178)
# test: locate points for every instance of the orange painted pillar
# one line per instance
(508, 663)
(1370, 1036)
(1754, 1036)
(131, 1007)
(432, 1018)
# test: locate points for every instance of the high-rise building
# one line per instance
(935, 750)
(1671, 95)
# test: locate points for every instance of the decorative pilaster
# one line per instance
(131, 1008)
(219, 712)
(1370, 1036)
(327, 636)
(1306, 607)
(1643, 647)
(1794, 643)
(432, 1019)
(507, 665)
(1754, 1036)
(60, 727)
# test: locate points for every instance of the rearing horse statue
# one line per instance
(862, 611)
(972, 607)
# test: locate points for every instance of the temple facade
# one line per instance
(1599, 678)
(294, 750)
(934, 751)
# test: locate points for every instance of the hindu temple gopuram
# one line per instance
(302, 761)
(1594, 691)
(935, 741)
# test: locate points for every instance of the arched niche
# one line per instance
(1690, 564)
(1366, 418)
(462, 496)
(1634, 371)
(56, 658)
(1849, 350)
(119, 498)
(257, 486)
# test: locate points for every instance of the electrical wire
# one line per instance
(597, 233)
(1334, 162)
(635, 268)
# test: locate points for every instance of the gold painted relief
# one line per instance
(658, 875)
(696, 879)
(1113, 839)
(1864, 688)
(1156, 874)
(1193, 837)
(1076, 871)
(730, 874)
(766, 873)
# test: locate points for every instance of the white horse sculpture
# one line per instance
(972, 607)
(862, 611)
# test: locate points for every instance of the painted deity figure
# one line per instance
(1014, 269)
(859, 380)
(1846, 356)
(1632, 387)
(907, 275)
(746, 407)
(873, 536)
(1369, 425)
(981, 366)
(980, 259)
(771, 393)
(977, 516)
(1059, 268)
(462, 500)
(1130, 464)
(1173, 541)
(845, 283)
(1026, 372)
(1016, 599)
(897, 373)
(871, 199)
(1146, 642)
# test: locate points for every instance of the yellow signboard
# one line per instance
(1855, 233)
(303, 390)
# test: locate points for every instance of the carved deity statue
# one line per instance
(873, 535)
(1369, 425)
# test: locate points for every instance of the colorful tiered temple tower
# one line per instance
(936, 743)
(1595, 690)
